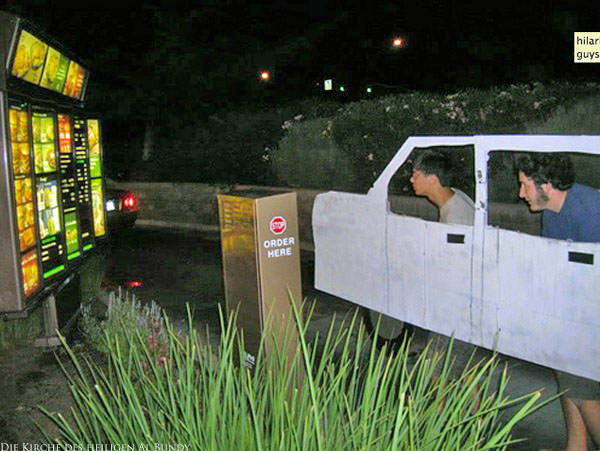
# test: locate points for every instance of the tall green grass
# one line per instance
(337, 391)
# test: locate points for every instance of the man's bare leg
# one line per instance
(590, 411)
(576, 431)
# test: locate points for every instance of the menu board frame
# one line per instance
(20, 81)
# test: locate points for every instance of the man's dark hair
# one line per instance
(434, 162)
(552, 168)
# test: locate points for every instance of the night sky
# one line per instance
(207, 57)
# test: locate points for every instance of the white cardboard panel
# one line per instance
(448, 279)
(406, 260)
(351, 252)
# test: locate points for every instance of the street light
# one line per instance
(398, 42)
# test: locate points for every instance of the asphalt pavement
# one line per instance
(174, 268)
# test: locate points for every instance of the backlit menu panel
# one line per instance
(44, 146)
(30, 271)
(55, 71)
(50, 225)
(47, 192)
(95, 146)
(75, 80)
(98, 208)
(68, 186)
(82, 176)
(20, 135)
(29, 58)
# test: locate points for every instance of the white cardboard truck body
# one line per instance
(524, 295)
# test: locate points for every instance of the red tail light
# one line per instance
(129, 202)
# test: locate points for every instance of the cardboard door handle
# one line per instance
(454, 238)
(581, 257)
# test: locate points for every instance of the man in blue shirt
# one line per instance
(570, 212)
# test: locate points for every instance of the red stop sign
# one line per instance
(278, 225)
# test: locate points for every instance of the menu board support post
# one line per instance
(50, 338)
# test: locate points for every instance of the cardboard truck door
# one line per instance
(545, 306)
(539, 294)
(350, 244)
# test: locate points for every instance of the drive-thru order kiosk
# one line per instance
(261, 264)
(52, 212)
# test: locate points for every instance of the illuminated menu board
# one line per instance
(23, 192)
(68, 186)
(82, 176)
(42, 65)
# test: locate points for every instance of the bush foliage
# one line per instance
(124, 313)
(227, 147)
(321, 143)
(582, 118)
(368, 133)
(323, 166)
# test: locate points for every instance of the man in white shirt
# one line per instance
(432, 172)
(430, 179)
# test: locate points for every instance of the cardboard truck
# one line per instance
(495, 286)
